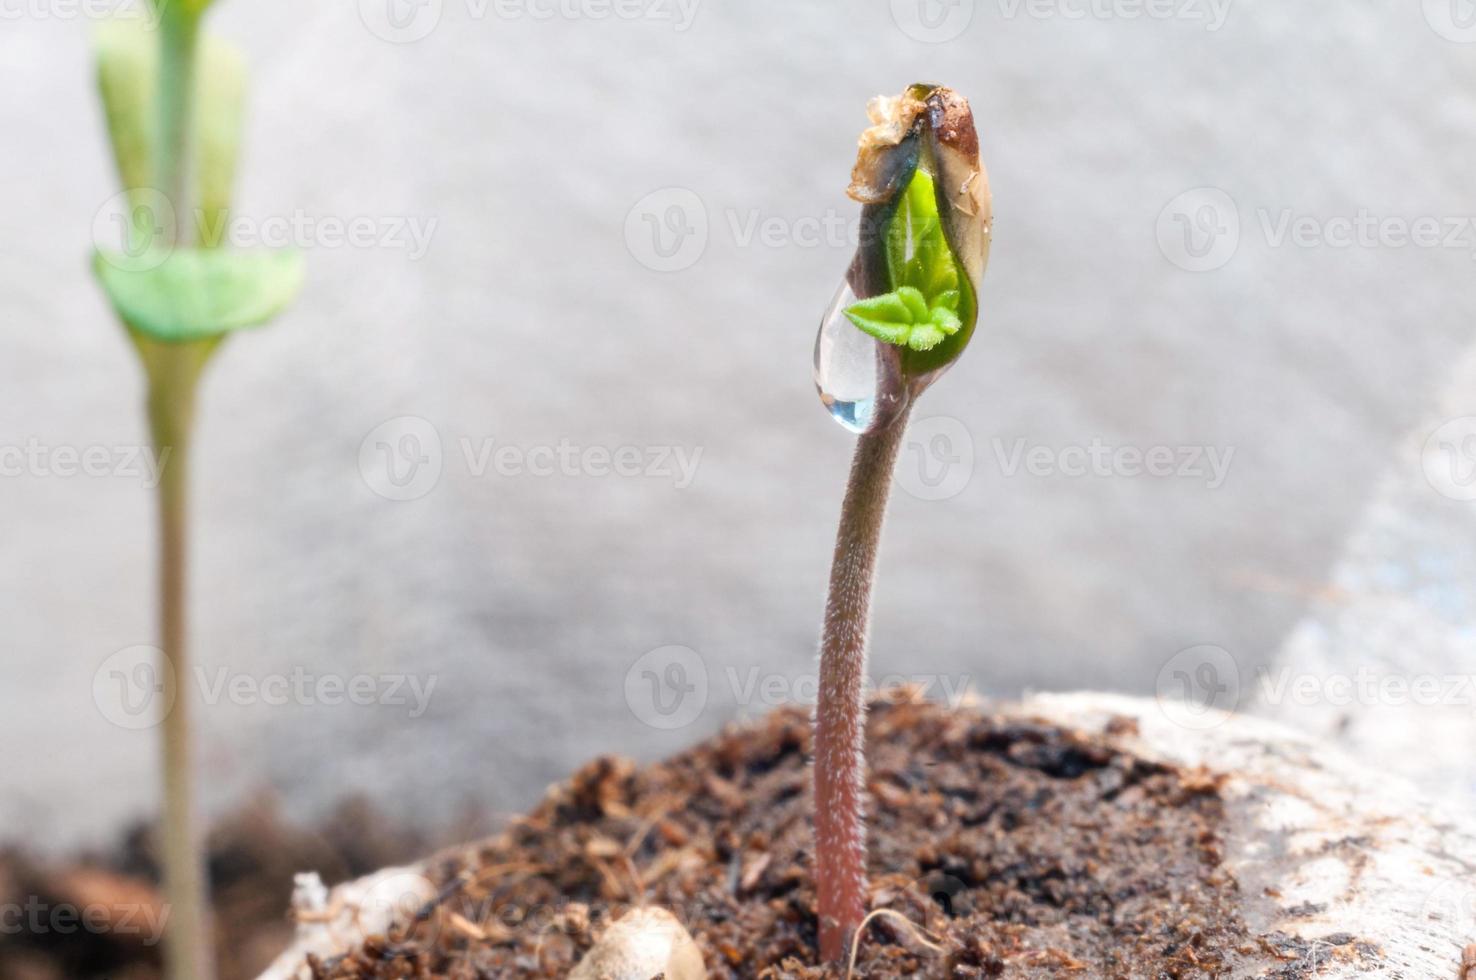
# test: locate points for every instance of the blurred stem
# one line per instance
(174, 371)
(179, 34)
(840, 735)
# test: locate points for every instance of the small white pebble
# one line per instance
(642, 944)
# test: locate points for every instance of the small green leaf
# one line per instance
(917, 253)
(945, 319)
(903, 317)
(916, 305)
(888, 307)
(931, 268)
(193, 294)
(924, 336)
(922, 204)
(885, 317)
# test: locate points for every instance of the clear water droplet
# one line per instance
(859, 377)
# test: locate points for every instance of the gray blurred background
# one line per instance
(633, 216)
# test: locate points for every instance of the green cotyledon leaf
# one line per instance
(195, 294)
(128, 77)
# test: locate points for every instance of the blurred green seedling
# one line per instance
(173, 99)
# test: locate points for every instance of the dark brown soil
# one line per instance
(1025, 850)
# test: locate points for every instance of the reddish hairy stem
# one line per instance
(840, 763)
